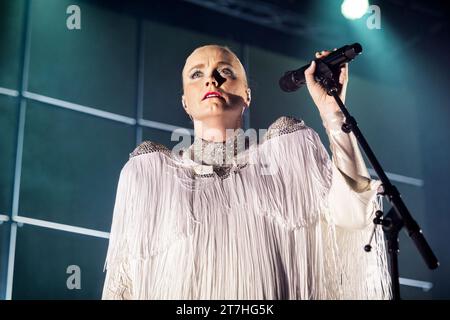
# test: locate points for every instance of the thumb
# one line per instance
(309, 73)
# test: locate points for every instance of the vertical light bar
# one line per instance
(11, 257)
(140, 79)
(19, 147)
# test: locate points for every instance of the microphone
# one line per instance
(292, 80)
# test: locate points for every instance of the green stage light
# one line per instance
(354, 9)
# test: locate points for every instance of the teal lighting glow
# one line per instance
(354, 9)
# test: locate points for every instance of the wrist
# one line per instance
(333, 121)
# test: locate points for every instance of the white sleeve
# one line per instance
(346, 199)
(118, 284)
(353, 195)
(141, 227)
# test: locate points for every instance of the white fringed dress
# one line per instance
(283, 222)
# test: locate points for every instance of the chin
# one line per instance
(218, 108)
(217, 112)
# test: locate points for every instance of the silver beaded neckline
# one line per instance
(219, 154)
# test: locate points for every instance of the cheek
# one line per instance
(190, 94)
(239, 91)
(237, 87)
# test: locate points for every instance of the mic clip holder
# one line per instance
(328, 77)
(398, 216)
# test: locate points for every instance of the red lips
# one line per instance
(212, 94)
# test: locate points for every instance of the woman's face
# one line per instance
(215, 70)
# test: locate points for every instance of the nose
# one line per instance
(216, 79)
(211, 81)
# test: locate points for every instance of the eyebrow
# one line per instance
(201, 65)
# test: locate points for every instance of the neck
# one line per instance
(216, 130)
(220, 153)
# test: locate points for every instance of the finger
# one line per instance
(311, 84)
(309, 73)
(343, 80)
(343, 76)
(324, 53)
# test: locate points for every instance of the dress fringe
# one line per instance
(286, 226)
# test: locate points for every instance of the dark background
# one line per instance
(75, 103)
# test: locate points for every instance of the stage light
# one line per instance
(354, 9)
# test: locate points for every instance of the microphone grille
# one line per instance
(357, 47)
(289, 83)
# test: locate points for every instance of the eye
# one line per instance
(196, 74)
(227, 72)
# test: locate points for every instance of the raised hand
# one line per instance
(323, 101)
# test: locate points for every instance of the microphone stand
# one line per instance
(399, 216)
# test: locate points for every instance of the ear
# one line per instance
(183, 102)
(249, 97)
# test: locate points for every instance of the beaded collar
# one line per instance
(218, 154)
(212, 157)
